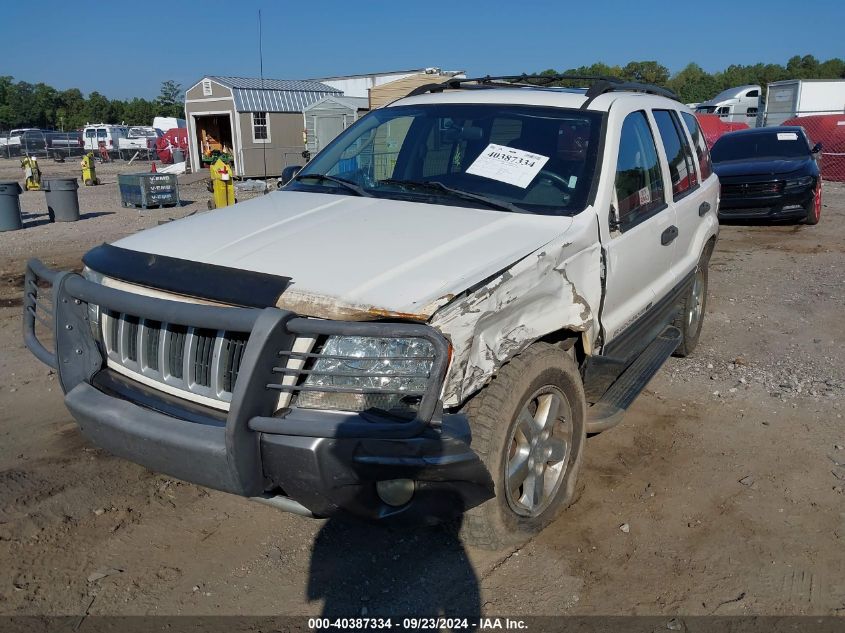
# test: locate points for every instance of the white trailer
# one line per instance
(803, 97)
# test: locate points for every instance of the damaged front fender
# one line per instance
(557, 287)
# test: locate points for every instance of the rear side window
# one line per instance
(639, 183)
(700, 145)
(678, 153)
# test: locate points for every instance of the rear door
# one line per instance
(697, 210)
(637, 259)
(687, 196)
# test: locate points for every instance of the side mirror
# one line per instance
(816, 148)
(288, 174)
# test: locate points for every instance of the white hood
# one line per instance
(379, 255)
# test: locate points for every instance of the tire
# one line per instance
(532, 382)
(691, 315)
(814, 207)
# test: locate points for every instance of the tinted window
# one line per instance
(548, 155)
(700, 145)
(678, 153)
(769, 144)
(753, 93)
(639, 183)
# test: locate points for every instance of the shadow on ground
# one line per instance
(365, 569)
(39, 219)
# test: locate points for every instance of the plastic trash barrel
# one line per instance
(62, 199)
(178, 156)
(10, 205)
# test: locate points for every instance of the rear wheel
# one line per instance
(691, 315)
(814, 207)
(528, 427)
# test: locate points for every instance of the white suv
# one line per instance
(426, 321)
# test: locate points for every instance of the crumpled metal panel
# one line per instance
(557, 287)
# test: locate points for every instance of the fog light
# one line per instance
(395, 492)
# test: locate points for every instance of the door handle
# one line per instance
(703, 208)
(669, 235)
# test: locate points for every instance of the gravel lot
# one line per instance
(727, 475)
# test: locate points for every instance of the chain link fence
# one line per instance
(829, 131)
(41, 143)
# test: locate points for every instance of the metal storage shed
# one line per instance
(251, 119)
(328, 117)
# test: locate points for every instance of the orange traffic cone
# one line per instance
(153, 169)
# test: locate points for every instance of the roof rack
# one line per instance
(598, 85)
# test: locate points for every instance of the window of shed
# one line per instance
(260, 127)
(206, 88)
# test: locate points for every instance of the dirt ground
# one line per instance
(727, 475)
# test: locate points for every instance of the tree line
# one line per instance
(693, 84)
(23, 104)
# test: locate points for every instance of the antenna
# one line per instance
(263, 97)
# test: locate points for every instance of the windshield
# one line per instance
(504, 157)
(773, 144)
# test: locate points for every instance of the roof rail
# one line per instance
(597, 84)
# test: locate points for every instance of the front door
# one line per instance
(640, 250)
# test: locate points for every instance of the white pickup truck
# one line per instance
(427, 320)
(138, 139)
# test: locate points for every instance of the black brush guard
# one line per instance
(325, 461)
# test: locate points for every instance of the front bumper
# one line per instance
(315, 462)
(788, 204)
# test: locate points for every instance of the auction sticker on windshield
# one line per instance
(508, 164)
(787, 136)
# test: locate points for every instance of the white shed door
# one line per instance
(328, 127)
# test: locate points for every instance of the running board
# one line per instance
(609, 411)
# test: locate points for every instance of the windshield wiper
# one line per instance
(434, 185)
(340, 181)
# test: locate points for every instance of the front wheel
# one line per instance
(814, 207)
(529, 428)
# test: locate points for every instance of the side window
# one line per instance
(752, 93)
(700, 145)
(678, 153)
(260, 128)
(639, 183)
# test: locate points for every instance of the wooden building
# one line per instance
(259, 123)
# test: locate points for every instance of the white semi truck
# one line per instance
(734, 105)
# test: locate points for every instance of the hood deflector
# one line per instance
(220, 284)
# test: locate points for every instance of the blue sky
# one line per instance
(101, 45)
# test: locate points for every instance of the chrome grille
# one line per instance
(199, 361)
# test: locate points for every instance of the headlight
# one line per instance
(806, 181)
(365, 372)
